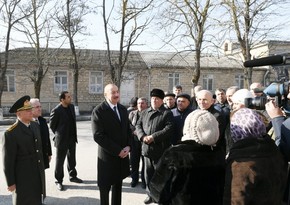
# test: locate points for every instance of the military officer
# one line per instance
(22, 153)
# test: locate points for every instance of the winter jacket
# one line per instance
(256, 173)
(189, 174)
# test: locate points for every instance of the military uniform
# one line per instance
(23, 163)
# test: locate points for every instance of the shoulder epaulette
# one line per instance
(12, 126)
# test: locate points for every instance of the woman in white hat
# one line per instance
(192, 172)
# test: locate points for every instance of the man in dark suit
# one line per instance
(111, 130)
(22, 157)
(44, 131)
(63, 125)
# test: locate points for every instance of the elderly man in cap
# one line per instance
(22, 156)
(180, 113)
(154, 129)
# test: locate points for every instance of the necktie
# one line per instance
(115, 109)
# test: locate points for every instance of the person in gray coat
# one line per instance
(111, 131)
(154, 128)
(22, 157)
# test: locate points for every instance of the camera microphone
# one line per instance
(271, 60)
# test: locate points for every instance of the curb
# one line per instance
(11, 120)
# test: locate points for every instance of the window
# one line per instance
(239, 80)
(60, 81)
(226, 47)
(173, 80)
(96, 82)
(207, 82)
(9, 85)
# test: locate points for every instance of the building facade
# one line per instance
(143, 72)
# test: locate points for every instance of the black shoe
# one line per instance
(76, 180)
(134, 183)
(143, 185)
(148, 200)
(59, 186)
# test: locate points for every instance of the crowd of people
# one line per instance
(205, 148)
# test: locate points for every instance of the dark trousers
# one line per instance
(150, 166)
(70, 153)
(135, 156)
(116, 194)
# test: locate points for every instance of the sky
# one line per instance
(148, 41)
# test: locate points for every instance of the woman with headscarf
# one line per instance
(256, 171)
(192, 172)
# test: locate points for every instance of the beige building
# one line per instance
(143, 72)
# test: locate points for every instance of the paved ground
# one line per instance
(76, 194)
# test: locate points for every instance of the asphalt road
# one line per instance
(76, 194)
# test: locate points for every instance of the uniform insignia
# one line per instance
(12, 126)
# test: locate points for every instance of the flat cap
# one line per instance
(184, 95)
(157, 93)
(170, 94)
(21, 104)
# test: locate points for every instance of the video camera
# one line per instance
(276, 91)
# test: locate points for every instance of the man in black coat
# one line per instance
(44, 131)
(22, 157)
(111, 131)
(154, 129)
(63, 125)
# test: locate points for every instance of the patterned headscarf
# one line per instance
(246, 123)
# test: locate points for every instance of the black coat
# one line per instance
(189, 174)
(159, 124)
(64, 132)
(46, 145)
(112, 135)
(23, 162)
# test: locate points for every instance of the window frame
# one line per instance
(9, 86)
(63, 86)
(172, 80)
(95, 86)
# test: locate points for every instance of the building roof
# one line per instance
(63, 57)
(170, 59)
(136, 59)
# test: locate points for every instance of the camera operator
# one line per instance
(281, 126)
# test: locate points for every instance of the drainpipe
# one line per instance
(149, 81)
(265, 76)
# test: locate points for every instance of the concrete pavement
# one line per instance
(76, 194)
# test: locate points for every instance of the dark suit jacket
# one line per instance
(46, 145)
(61, 128)
(23, 161)
(112, 136)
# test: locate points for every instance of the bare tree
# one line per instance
(11, 13)
(185, 22)
(37, 28)
(128, 32)
(250, 22)
(70, 20)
